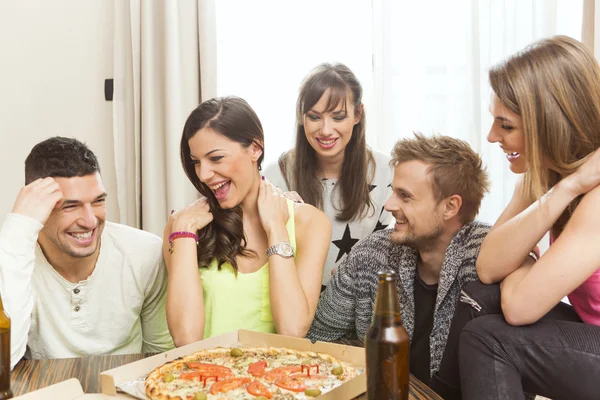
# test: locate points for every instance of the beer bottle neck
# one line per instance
(387, 309)
(4, 320)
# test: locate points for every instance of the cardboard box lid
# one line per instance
(66, 390)
(354, 355)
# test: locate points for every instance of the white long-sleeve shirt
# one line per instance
(118, 309)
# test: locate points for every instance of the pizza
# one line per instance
(248, 373)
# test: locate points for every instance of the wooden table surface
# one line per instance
(30, 375)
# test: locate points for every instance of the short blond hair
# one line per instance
(454, 166)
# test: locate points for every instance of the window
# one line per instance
(423, 64)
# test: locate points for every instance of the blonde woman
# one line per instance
(546, 110)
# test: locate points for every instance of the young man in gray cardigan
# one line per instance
(438, 186)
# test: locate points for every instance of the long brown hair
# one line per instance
(233, 118)
(358, 167)
(554, 85)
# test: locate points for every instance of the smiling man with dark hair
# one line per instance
(73, 283)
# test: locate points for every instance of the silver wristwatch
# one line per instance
(283, 249)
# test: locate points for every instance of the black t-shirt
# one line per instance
(425, 296)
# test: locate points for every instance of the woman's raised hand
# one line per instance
(272, 207)
(192, 217)
(586, 177)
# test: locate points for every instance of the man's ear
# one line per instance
(453, 205)
(358, 113)
(256, 150)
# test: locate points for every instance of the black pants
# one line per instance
(480, 303)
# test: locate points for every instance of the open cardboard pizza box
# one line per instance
(65, 390)
(113, 378)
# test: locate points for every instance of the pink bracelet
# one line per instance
(182, 234)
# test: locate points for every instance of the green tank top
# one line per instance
(239, 302)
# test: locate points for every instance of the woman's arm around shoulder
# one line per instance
(294, 282)
(530, 292)
(518, 230)
(313, 238)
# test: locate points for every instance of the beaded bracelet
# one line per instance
(182, 234)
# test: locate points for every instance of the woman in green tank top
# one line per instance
(242, 256)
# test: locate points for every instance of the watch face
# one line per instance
(286, 249)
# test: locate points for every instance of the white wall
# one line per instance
(54, 57)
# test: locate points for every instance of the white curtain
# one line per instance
(423, 66)
(589, 32)
(266, 47)
(430, 69)
(161, 51)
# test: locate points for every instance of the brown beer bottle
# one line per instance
(387, 345)
(5, 392)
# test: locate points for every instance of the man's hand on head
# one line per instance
(38, 199)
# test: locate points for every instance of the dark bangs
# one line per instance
(338, 93)
(358, 164)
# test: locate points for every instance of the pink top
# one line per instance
(586, 298)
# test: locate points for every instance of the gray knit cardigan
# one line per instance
(346, 307)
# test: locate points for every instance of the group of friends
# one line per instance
(296, 248)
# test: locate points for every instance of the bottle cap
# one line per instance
(388, 275)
